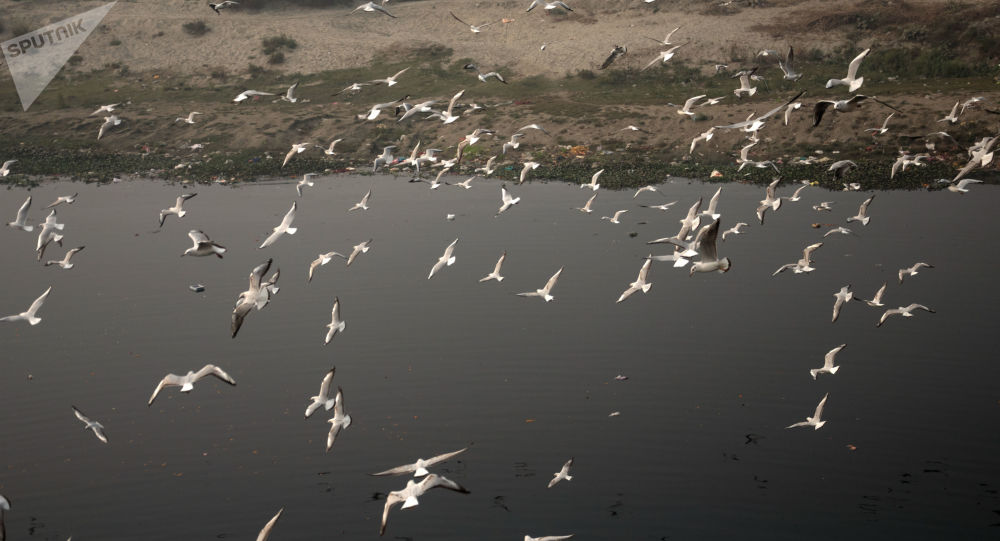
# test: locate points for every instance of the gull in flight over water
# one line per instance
(593, 185)
(735, 230)
(828, 367)
(322, 259)
(912, 271)
(802, 265)
(862, 215)
(905, 311)
(203, 245)
(844, 295)
(322, 400)
(177, 209)
(408, 496)
(21, 220)
(339, 421)
(257, 294)
(97, 427)
(640, 283)
(336, 324)
(419, 468)
(64, 262)
(495, 275)
(614, 218)
(306, 182)
(647, 188)
(586, 206)
(265, 532)
(29, 315)
(841, 230)
(187, 381)
(876, 301)
(962, 185)
(562, 474)
(445, 260)
(813, 421)
(528, 166)
(843, 106)
(506, 200)
(109, 122)
(372, 7)
(363, 204)
(358, 249)
(68, 199)
(284, 227)
(704, 245)
(852, 81)
(545, 292)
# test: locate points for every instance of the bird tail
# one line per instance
(864, 221)
(291, 230)
(724, 264)
(819, 425)
(451, 261)
(813, 373)
(646, 287)
(834, 369)
(752, 91)
(547, 299)
(856, 84)
(34, 320)
(410, 502)
(187, 387)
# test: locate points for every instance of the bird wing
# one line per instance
(451, 104)
(289, 216)
(324, 388)
(830, 355)
(852, 69)
(552, 281)
(257, 274)
(198, 237)
(79, 415)
(444, 456)
(819, 407)
(38, 302)
(335, 312)
(819, 109)
(239, 314)
(22, 213)
(390, 501)
(459, 20)
(266, 531)
(706, 241)
(863, 209)
(808, 250)
(398, 470)
(690, 102)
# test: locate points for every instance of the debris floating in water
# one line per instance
(197, 288)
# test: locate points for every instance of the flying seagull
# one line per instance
(64, 262)
(876, 301)
(109, 122)
(409, 495)
(336, 324)
(297, 148)
(203, 245)
(544, 292)
(187, 381)
(265, 532)
(339, 421)
(321, 259)
(828, 367)
(852, 81)
(640, 283)
(29, 314)
(474, 28)
(256, 295)
(813, 421)
(363, 204)
(495, 275)
(322, 400)
(5, 168)
(21, 220)
(506, 200)
(862, 215)
(306, 182)
(372, 7)
(188, 119)
(219, 6)
(844, 295)
(247, 94)
(586, 206)
(68, 199)
(419, 468)
(284, 227)
(98, 428)
(563, 473)
(177, 209)
(844, 106)
(905, 311)
(389, 81)
(912, 271)
(802, 265)
(445, 260)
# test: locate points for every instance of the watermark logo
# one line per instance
(35, 58)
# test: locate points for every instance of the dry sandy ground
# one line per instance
(333, 38)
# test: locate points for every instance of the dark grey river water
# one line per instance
(909, 449)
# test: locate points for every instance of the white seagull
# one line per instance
(647, 188)
(64, 262)
(813, 421)
(879, 131)
(358, 249)
(336, 324)
(876, 301)
(528, 166)
(188, 119)
(68, 199)
(713, 205)
(322, 259)
(474, 28)
(802, 265)
(828, 367)
(257, 295)
(663, 57)
(339, 421)
(735, 230)
(862, 215)
(322, 400)
(177, 209)
(614, 218)
(495, 275)
(962, 185)
(247, 94)
(640, 283)
(445, 260)
(562, 474)
(216, 7)
(297, 148)
(593, 185)
(329, 151)
(745, 87)
(305, 182)
(905, 311)
(408, 496)
(419, 468)
(363, 204)
(666, 41)
(21, 220)
(284, 227)
(5, 168)
(952, 117)
(852, 81)
(372, 7)
(203, 245)
(29, 315)
(506, 200)
(289, 94)
(98, 428)
(912, 271)
(105, 109)
(187, 381)
(686, 110)
(586, 206)
(390, 80)
(109, 122)
(844, 295)
(545, 292)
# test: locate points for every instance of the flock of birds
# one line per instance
(695, 243)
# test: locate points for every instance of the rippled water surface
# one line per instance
(429, 366)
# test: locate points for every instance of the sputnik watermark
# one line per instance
(35, 58)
